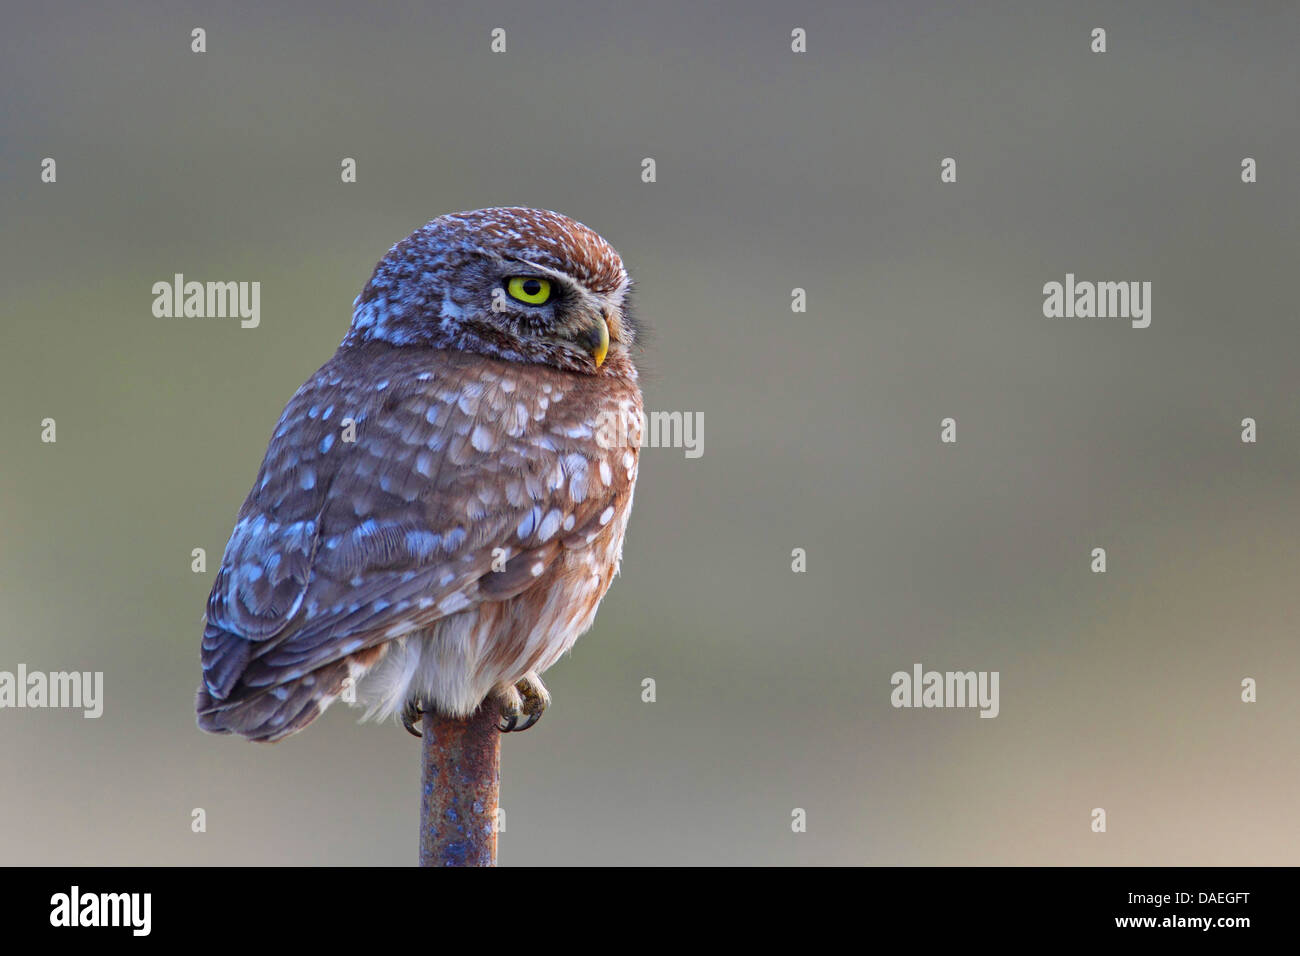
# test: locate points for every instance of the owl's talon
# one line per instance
(522, 703)
(411, 715)
(510, 705)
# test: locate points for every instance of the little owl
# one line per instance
(442, 505)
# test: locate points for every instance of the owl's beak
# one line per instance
(596, 340)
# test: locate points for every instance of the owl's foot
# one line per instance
(411, 715)
(522, 703)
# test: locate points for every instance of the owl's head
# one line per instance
(524, 285)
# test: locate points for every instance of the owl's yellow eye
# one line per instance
(529, 289)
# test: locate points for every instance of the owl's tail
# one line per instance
(271, 714)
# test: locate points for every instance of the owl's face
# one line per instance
(524, 285)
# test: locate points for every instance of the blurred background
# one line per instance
(775, 170)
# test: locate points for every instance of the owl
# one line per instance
(442, 505)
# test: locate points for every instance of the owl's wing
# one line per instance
(460, 464)
(268, 560)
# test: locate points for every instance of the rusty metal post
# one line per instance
(460, 788)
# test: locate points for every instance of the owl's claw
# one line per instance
(411, 715)
(522, 703)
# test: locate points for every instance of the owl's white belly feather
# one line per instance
(456, 664)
